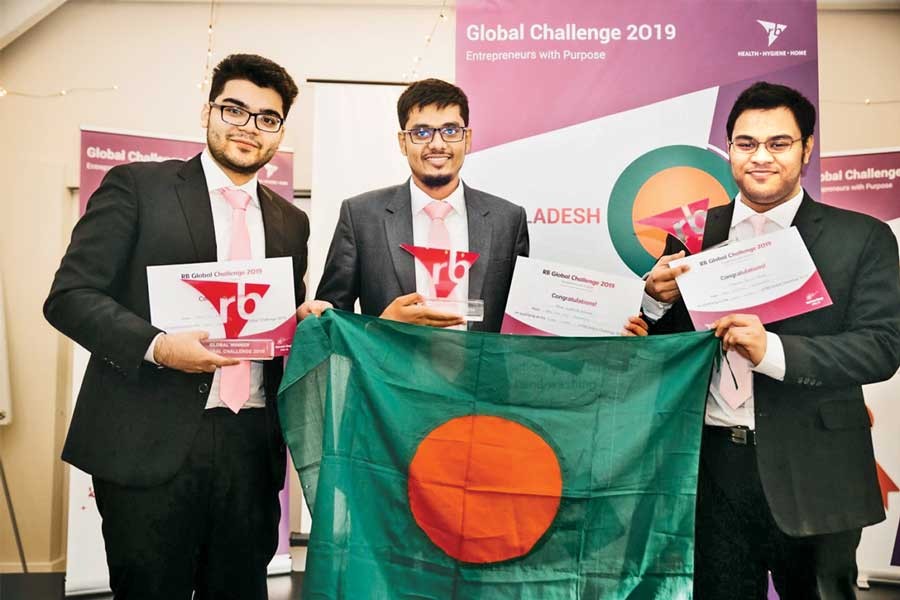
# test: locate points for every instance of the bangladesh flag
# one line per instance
(451, 465)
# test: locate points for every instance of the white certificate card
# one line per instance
(235, 300)
(548, 298)
(771, 276)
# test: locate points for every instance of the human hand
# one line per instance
(312, 307)
(636, 326)
(661, 284)
(743, 333)
(411, 309)
(184, 352)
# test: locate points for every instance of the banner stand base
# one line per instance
(867, 577)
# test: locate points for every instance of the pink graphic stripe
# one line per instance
(282, 335)
(811, 296)
(514, 326)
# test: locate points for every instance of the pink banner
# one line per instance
(867, 183)
(103, 150)
(592, 59)
(616, 112)
(613, 112)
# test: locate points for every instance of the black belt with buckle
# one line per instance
(740, 435)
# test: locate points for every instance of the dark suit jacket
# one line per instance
(134, 422)
(366, 262)
(814, 448)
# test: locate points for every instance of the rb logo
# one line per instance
(457, 271)
(234, 301)
(666, 192)
(447, 268)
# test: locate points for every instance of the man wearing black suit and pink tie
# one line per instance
(787, 475)
(184, 446)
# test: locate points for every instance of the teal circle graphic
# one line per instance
(632, 179)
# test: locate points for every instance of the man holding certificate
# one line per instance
(787, 475)
(184, 444)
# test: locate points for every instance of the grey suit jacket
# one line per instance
(814, 449)
(366, 262)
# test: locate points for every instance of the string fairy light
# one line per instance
(414, 71)
(58, 94)
(209, 45)
(864, 102)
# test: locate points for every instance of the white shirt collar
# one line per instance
(783, 214)
(217, 179)
(420, 199)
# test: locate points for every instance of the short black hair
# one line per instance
(765, 96)
(258, 70)
(431, 91)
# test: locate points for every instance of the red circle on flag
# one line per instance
(484, 489)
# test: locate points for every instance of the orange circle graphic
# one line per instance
(484, 489)
(668, 189)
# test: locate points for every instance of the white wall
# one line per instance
(858, 53)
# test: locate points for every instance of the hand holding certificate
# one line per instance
(771, 276)
(552, 299)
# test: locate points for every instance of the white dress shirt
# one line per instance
(718, 412)
(221, 213)
(457, 226)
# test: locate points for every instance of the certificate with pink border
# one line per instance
(553, 299)
(771, 276)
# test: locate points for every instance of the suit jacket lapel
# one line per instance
(193, 196)
(479, 239)
(398, 228)
(718, 224)
(808, 220)
(273, 222)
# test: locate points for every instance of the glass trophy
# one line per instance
(470, 310)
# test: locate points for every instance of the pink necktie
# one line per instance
(759, 224)
(438, 235)
(234, 386)
(737, 389)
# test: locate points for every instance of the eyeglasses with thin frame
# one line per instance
(424, 135)
(775, 145)
(235, 115)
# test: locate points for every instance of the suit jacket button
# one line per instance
(204, 388)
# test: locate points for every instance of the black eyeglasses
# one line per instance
(235, 115)
(424, 135)
(775, 145)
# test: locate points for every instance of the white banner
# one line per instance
(355, 150)
(867, 181)
(5, 390)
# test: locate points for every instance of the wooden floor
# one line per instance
(281, 587)
(287, 587)
(49, 586)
